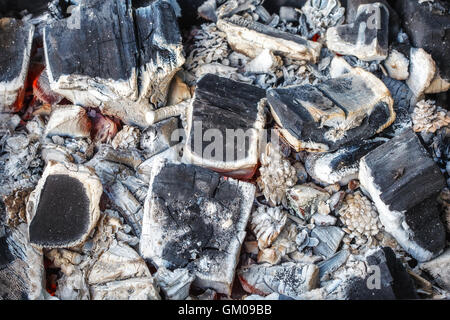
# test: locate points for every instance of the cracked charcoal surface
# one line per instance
(62, 215)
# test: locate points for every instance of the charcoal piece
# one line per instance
(366, 38)
(251, 38)
(43, 92)
(404, 101)
(428, 27)
(68, 121)
(64, 207)
(233, 113)
(160, 137)
(101, 61)
(351, 10)
(16, 38)
(397, 65)
(21, 267)
(439, 269)
(340, 166)
(175, 284)
(351, 107)
(289, 279)
(333, 263)
(403, 181)
(196, 219)
(160, 50)
(329, 237)
(422, 71)
(394, 282)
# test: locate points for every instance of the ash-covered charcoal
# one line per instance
(16, 38)
(289, 279)
(386, 279)
(366, 38)
(331, 264)
(64, 207)
(340, 166)
(330, 238)
(403, 181)
(421, 71)
(235, 132)
(351, 107)
(321, 15)
(68, 121)
(175, 284)
(397, 65)
(43, 92)
(119, 81)
(129, 289)
(427, 24)
(160, 50)
(21, 267)
(439, 269)
(159, 137)
(119, 262)
(404, 99)
(250, 38)
(195, 219)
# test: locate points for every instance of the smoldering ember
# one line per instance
(224, 149)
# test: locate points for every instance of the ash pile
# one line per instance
(224, 149)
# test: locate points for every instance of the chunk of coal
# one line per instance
(100, 61)
(403, 181)
(16, 38)
(251, 38)
(339, 166)
(235, 132)
(333, 263)
(68, 121)
(428, 27)
(352, 107)
(289, 279)
(64, 207)
(196, 219)
(387, 279)
(366, 38)
(329, 237)
(21, 267)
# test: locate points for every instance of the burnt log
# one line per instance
(233, 114)
(196, 219)
(403, 181)
(16, 39)
(353, 106)
(95, 57)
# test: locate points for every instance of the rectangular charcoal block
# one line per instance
(195, 219)
(223, 107)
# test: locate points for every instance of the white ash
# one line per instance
(427, 117)
(422, 69)
(360, 218)
(126, 138)
(69, 121)
(397, 65)
(305, 199)
(277, 175)
(320, 15)
(283, 245)
(267, 224)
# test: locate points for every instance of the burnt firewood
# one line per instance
(403, 181)
(196, 219)
(21, 267)
(386, 279)
(232, 113)
(251, 38)
(353, 106)
(428, 27)
(365, 38)
(101, 61)
(64, 207)
(16, 39)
